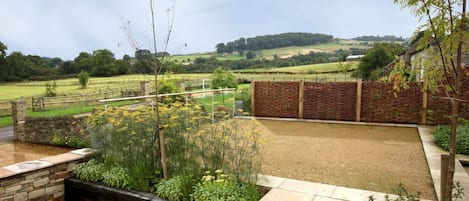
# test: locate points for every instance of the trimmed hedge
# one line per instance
(442, 138)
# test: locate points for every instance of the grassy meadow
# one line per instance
(16, 90)
(283, 52)
(306, 69)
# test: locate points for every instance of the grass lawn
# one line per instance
(227, 101)
(17, 90)
(305, 69)
(7, 121)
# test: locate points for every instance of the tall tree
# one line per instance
(3, 54)
(103, 62)
(82, 63)
(376, 58)
(446, 30)
(18, 67)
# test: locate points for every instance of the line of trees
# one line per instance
(272, 41)
(206, 65)
(379, 38)
(100, 63)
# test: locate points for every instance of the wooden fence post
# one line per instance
(444, 176)
(301, 98)
(253, 98)
(359, 100)
(424, 101)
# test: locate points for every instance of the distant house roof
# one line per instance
(354, 57)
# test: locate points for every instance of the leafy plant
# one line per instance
(176, 188)
(404, 195)
(222, 78)
(224, 187)
(245, 96)
(91, 171)
(117, 177)
(83, 79)
(76, 142)
(51, 89)
(442, 137)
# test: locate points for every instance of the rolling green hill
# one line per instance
(283, 52)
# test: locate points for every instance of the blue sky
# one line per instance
(57, 28)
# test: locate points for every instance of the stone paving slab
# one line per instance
(5, 173)
(269, 181)
(433, 155)
(62, 158)
(308, 187)
(277, 194)
(27, 166)
(320, 198)
(284, 189)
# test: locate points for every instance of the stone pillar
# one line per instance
(18, 110)
(145, 88)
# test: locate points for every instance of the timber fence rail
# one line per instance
(57, 102)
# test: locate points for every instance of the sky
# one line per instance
(58, 28)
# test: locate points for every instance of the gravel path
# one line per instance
(373, 158)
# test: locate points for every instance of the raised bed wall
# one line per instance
(40, 179)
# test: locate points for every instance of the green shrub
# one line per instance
(91, 171)
(224, 187)
(443, 133)
(83, 79)
(245, 96)
(76, 142)
(176, 188)
(51, 89)
(117, 177)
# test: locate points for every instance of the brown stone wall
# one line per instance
(380, 103)
(330, 101)
(42, 129)
(276, 99)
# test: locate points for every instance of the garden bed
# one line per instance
(375, 158)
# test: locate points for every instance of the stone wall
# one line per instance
(40, 179)
(43, 129)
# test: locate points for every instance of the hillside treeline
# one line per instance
(207, 65)
(379, 38)
(272, 41)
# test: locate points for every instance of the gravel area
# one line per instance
(375, 158)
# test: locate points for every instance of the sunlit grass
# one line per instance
(7, 121)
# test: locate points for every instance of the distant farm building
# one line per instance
(354, 57)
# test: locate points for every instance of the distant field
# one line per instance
(305, 69)
(283, 52)
(17, 90)
(70, 86)
(295, 50)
